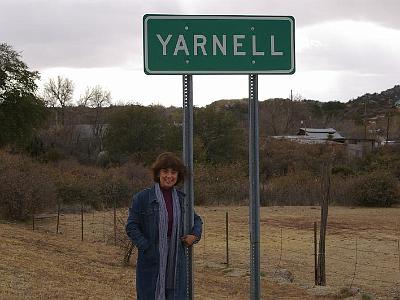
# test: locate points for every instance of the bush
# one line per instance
(376, 189)
(294, 189)
(91, 186)
(227, 184)
(115, 190)
(26, 188)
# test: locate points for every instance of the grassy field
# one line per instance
(362, 252)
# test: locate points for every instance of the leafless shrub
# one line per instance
(293, 189)
(123, 241)
(26, 187)
(221, 184)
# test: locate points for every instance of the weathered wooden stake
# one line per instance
(227, 238)
(355, 265)
(326, 185)
(115, 221)
(315, 255)
(58, 217)
(82, 220)
(398, 252)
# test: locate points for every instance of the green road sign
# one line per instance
(179, 44)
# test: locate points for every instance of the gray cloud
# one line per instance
(104, 33)
(308, 12)
(76, 33)
(101, 33)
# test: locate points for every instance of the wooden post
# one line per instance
(204, 243)
(326, 184)
(33, 222)
(227, 238)
(58, 216)
(82, 220)
(355, 265)
(315, 255)
(115, 221)
(398, 252)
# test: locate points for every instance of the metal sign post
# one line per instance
(254, 207)
(188, 214)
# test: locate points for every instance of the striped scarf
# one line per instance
(168, 254)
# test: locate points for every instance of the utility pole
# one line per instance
(387, 127)
(365, 119)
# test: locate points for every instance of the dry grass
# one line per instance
(42, 264)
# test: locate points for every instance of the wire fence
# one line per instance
(371, 264)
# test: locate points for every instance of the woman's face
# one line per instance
(168, 178)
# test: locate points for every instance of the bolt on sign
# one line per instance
(211, 44)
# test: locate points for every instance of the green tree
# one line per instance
(140, 131)
(219, 138)
(14, 74)
(21, 111)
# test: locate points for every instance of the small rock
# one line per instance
(283, 275)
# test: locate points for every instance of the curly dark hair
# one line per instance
(168, 160)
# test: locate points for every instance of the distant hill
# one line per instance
(374, 104)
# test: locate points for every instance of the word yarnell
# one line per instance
(218, 45)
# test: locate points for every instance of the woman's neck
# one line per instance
(165, 188)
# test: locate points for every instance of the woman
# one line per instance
(155, 226)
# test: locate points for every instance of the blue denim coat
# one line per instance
(142, 229)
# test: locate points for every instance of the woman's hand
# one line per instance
(188, 240)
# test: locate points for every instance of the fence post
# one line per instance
(33, 222)
(315, 255)
(398, 252)
(58, 216)
(82, 219)
(115, 221)
(204, 243)
(227, 238)
(326, 186)
(280, 254)
(355, 266)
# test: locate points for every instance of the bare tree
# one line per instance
(283, 116)
(58, 93)
(96, 98)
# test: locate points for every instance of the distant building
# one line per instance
(354, 147)
(314, 136)
(322, 134)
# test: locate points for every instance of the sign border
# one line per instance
(148, 71)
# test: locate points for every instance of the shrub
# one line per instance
(115, 189)
(26, 187)
(376, 189)
(294, 189)
(99, 187)
(224, 184)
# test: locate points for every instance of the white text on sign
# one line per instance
(218, 45)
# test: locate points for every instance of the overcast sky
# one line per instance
(344, 48)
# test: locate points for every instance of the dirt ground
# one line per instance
(362, 252)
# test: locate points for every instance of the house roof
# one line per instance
(321, 133)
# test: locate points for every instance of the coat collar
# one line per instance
(152, 195)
